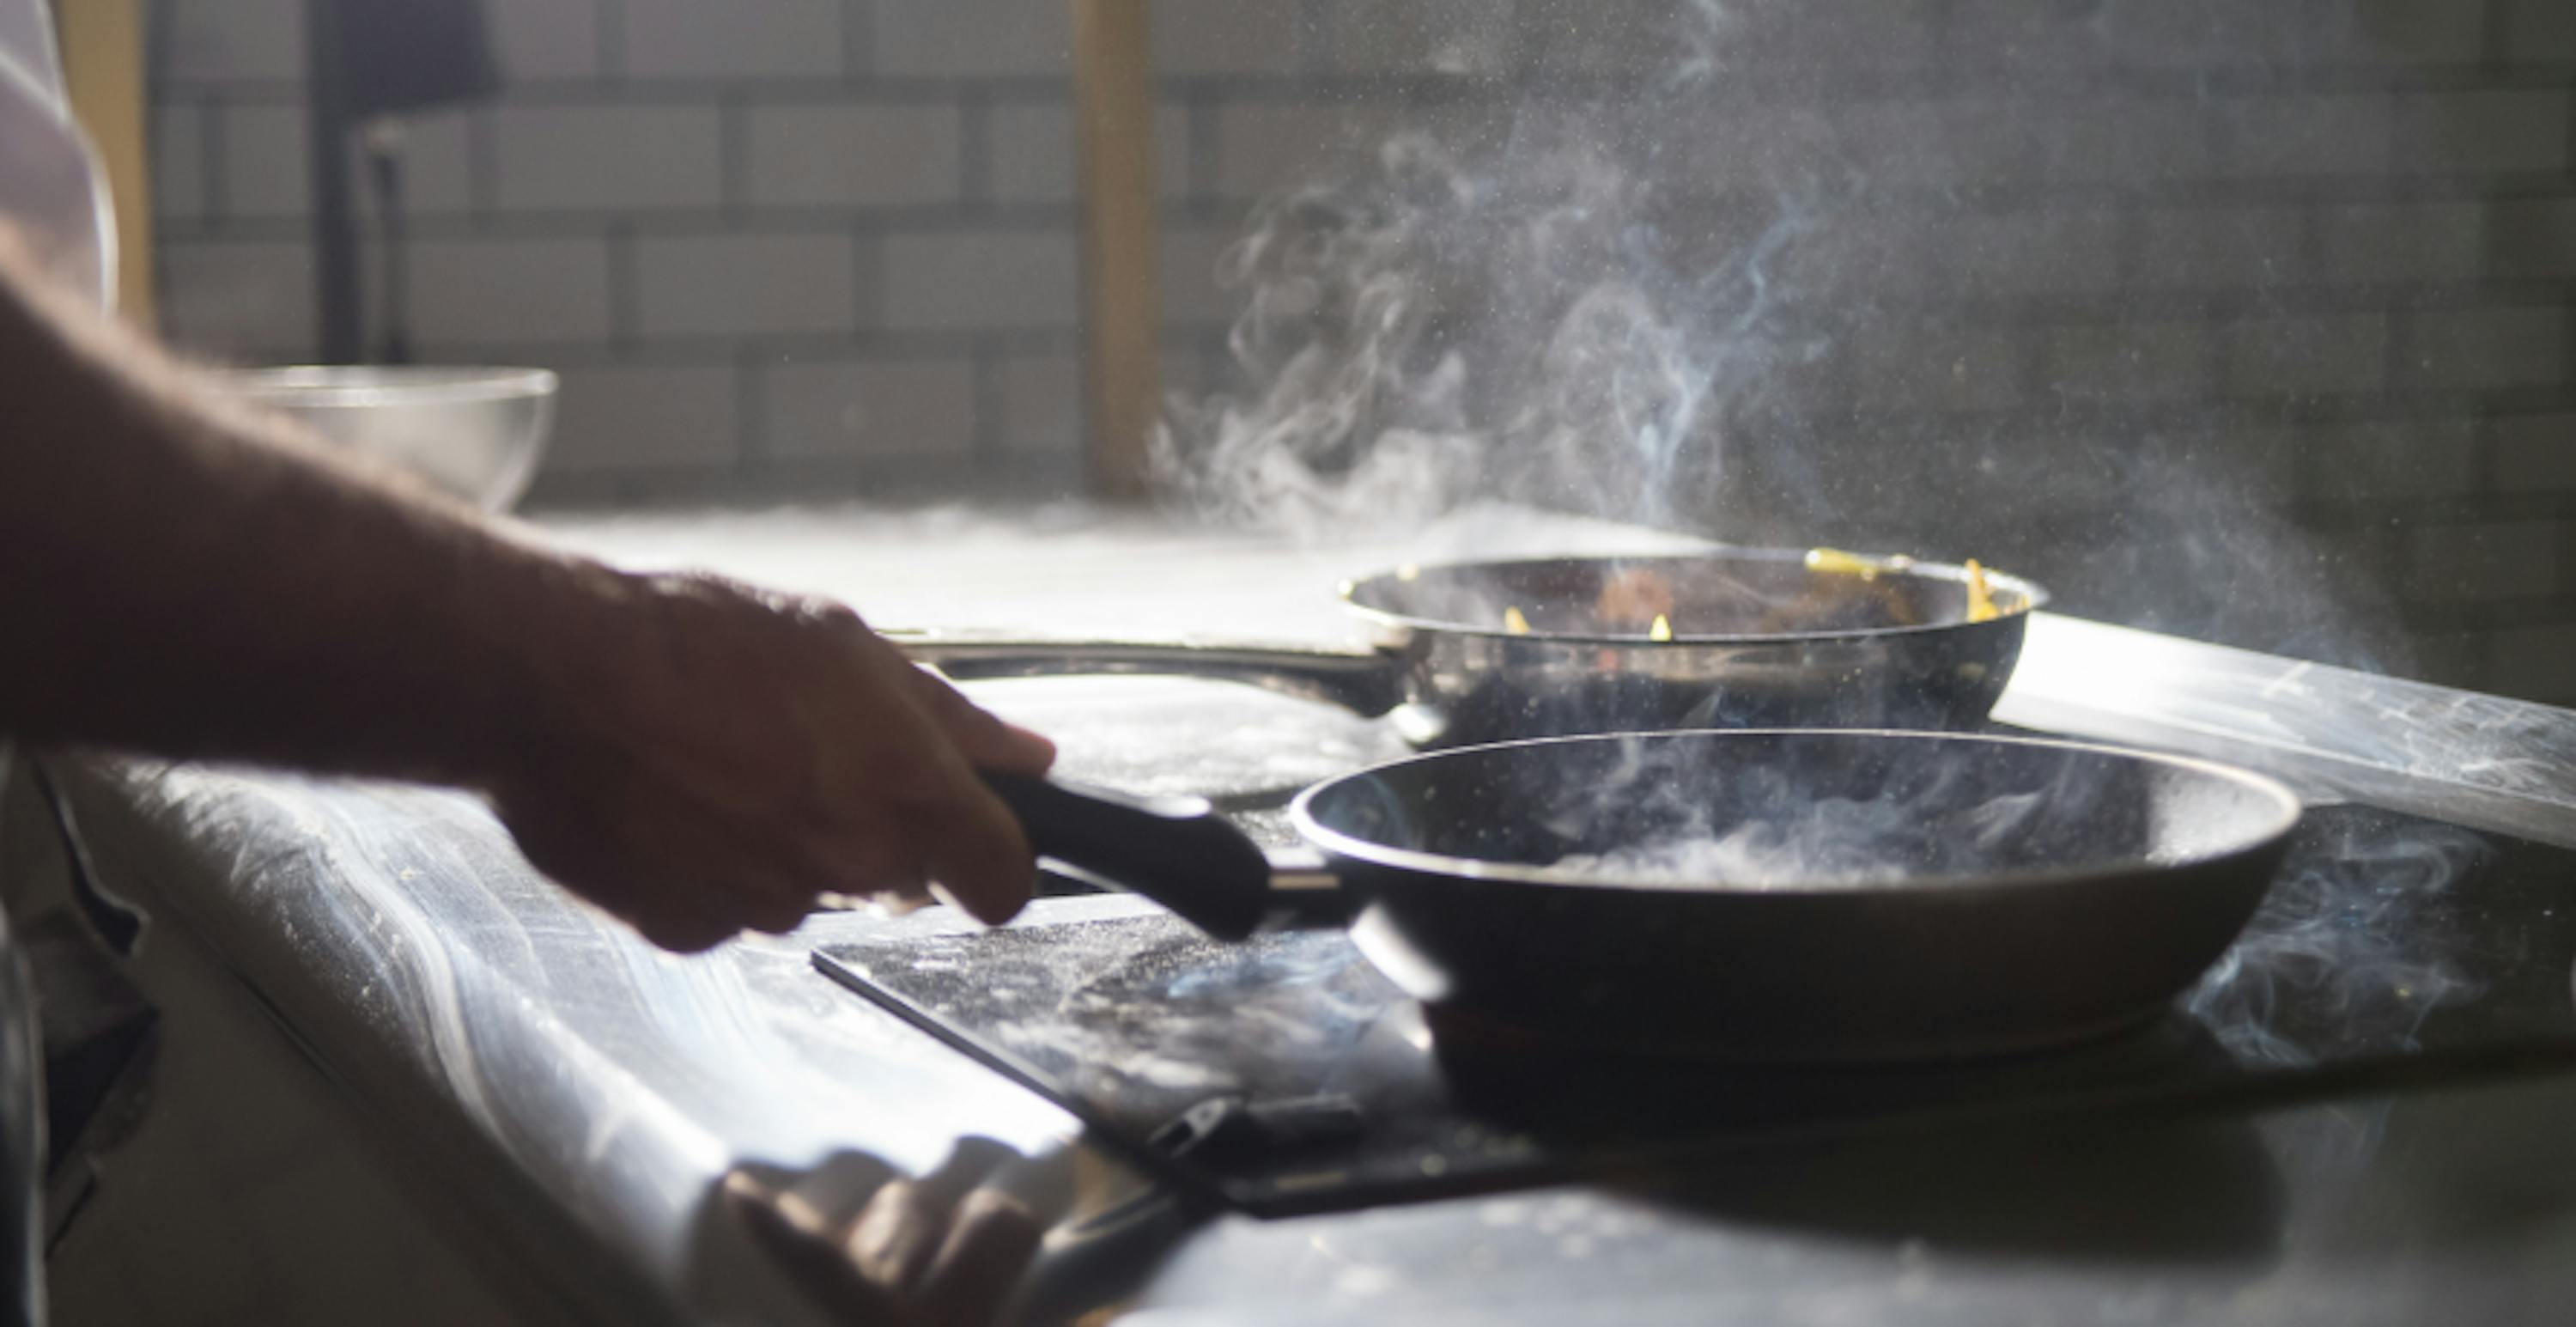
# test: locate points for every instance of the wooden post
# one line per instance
(1113, 91)
(102, 50)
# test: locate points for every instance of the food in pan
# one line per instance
(1834, 561)
(1846, 592)
(1981, 597)
(1633, 598)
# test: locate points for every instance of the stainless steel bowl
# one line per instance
(476, 433)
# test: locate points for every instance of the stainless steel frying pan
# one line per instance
(1483, 652)
(1885, 896)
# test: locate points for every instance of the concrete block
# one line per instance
(181, 188)
(238, 299)
(2221, 248)
(971, 38)
(605, 158)
(2335, 354)
(815, 410)
(2027, 252)
(2540, 31)
(2161, 138)
(1935, 143)
(492, 290)
(1266, 146)
(1454, 38)
(1033, 152)
(1616, 38)
(2535, 453)
(2495, 131)
(2372, 243)
(2418, 459)
(737, 38)
(644, 417)
(2532, 237)
(2402, 32)
(545, 39)
(1902, 366)
(2483, 563)
(971, 279)
(2026, 35)
(1856, 256)
(437, 165)
(2140, 361)
(267, 167)
(2473, 349)
(1041, 403)
(1202, 37)
(745, 285)
(853, 156)
(232, 41)
(2340, 134)
(266, 171)
(1188, 275)
(2207, 34)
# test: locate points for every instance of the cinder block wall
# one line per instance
(774, 246)
(2247, 318)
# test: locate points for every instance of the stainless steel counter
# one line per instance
(587, 1089)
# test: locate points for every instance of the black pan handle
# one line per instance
(1176, 851)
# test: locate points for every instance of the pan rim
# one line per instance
(2286, 804)
(2034, 597)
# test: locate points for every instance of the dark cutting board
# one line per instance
(2393, 952)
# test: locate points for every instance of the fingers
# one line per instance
(984, 739)
(685, 883)
(976, 851)
(990, 1243)
(942, 1248)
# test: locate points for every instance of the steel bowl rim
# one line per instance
(2034, 596)
(348, 386)
(2286, 803)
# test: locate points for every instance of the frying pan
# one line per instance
(1759, 639)
(1903, 895)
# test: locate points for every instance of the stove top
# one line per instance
(1285, 1075)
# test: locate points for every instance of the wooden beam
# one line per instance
(1113, 82)
(102, 49)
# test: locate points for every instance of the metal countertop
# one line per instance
(481, 1012)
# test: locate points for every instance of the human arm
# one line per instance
(180, 575)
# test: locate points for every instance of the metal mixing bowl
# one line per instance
(474, 432)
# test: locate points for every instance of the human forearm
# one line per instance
(178, 574)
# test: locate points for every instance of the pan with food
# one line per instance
(1490, 651)
(1778, 895)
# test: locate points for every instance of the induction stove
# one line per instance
(1286, 1075)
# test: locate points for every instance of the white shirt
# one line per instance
(50, 188)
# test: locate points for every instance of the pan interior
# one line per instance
(1736, 595)
(1791, 811)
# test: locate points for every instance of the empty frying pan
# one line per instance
(1779, 895)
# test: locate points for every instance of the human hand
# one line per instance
(946, 1249)
(725, 755)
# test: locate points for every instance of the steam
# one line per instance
(2356, 933)
(1453, 323)
(1814, 818)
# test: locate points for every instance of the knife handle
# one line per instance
(1176, 851)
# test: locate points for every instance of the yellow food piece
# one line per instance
(1634, 596)
(1662, 630)
(1836, 562)
(1981, 597)
(1514, 623)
